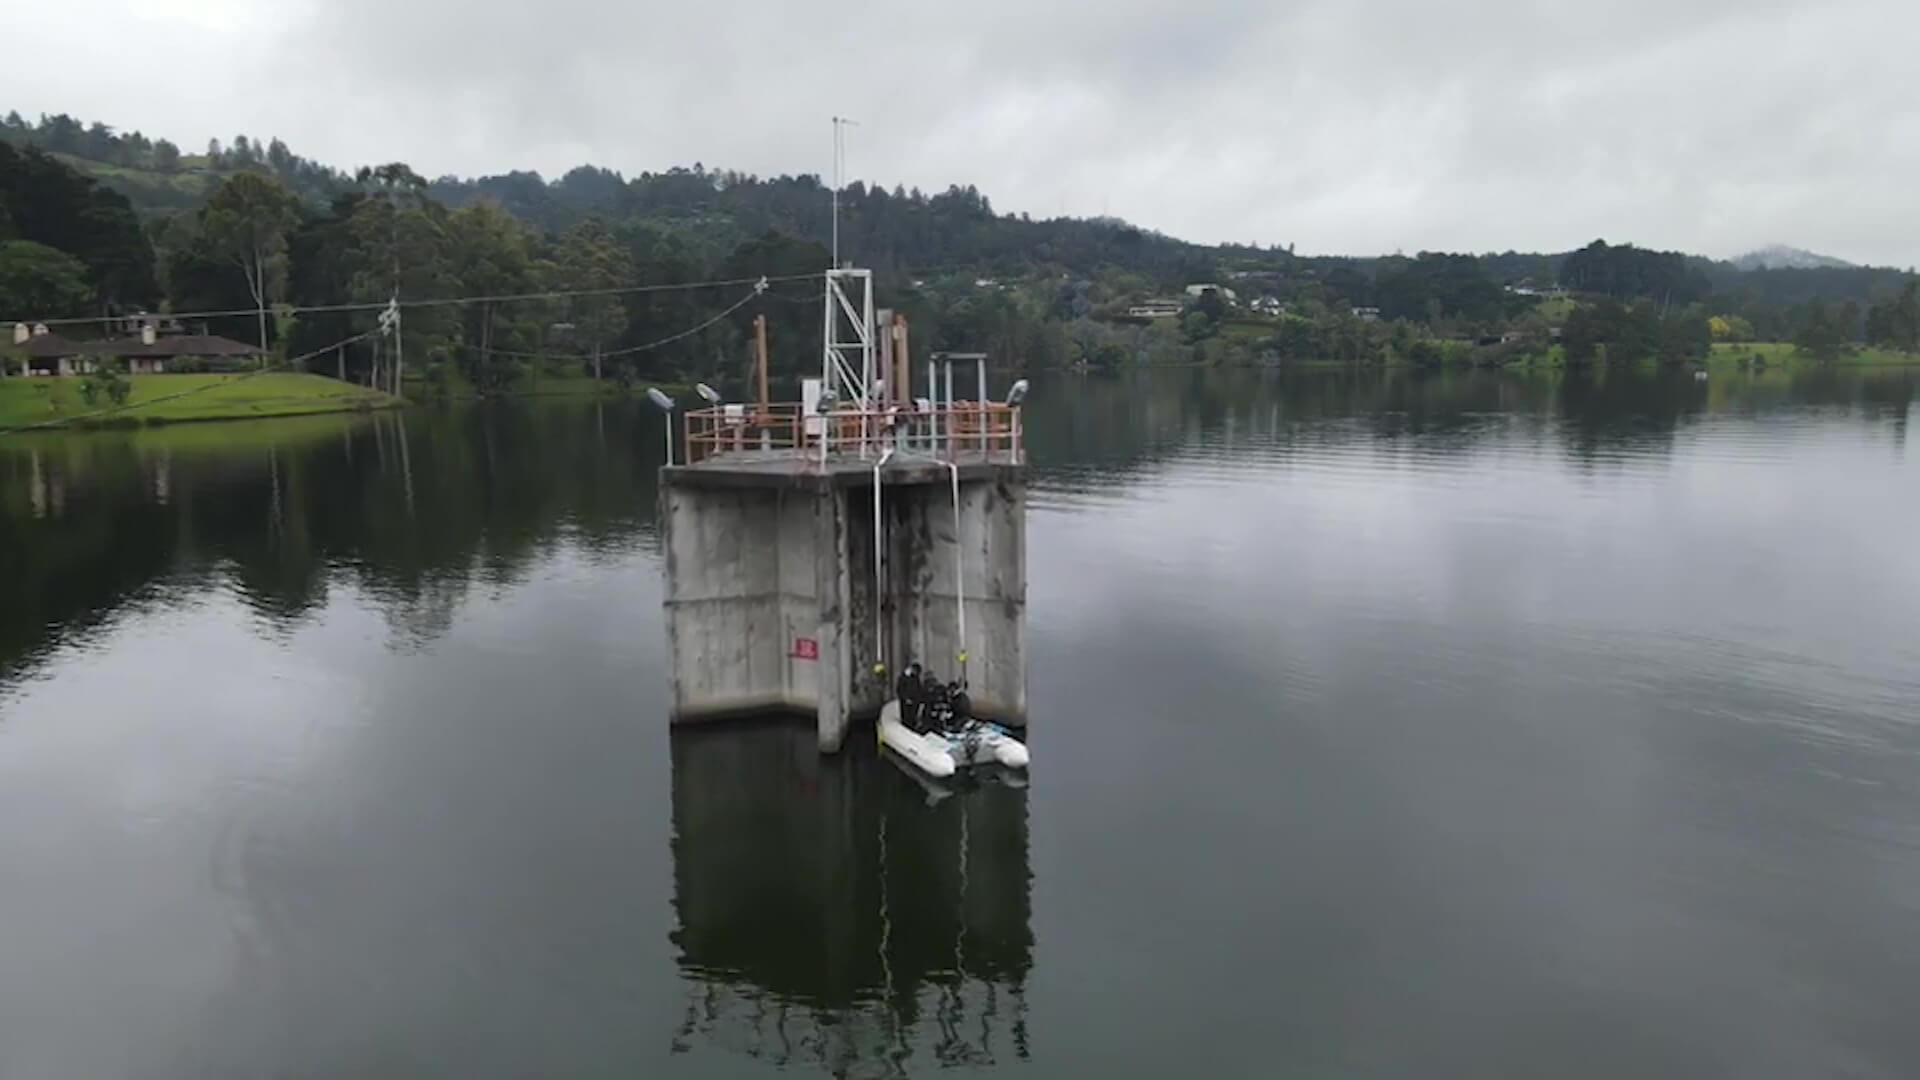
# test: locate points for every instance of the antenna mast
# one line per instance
(847, 362)
(839, 167)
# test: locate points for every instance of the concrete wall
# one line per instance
(724, 602)
(752, 573)
(754, 569)
(990, 549)
(918, 618)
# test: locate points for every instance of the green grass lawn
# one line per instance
(200, 397)
(1247, 329)
(183, 181)
(1783, 354)
(1555, 309)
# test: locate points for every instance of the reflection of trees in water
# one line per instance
(1607, 414)
(78, 529)
(1086, 433)
(1890, 398)
(423, 610)
(828, 916)
(408, 508)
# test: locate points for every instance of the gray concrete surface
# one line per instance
(761, 560)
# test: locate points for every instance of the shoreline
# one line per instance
(418, 391)
(1723, 359)
(56, 403)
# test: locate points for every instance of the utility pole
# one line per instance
(389, 327)
(260, 298)
(393, 235)
(399, 360)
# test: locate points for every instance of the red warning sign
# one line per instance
(806, 648)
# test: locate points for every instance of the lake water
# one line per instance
(1467, 726)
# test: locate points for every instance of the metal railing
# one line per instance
(966, 431)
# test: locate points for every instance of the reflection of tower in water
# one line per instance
(830, 914)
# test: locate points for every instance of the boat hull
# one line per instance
(940, 755)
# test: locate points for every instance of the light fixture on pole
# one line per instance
(665, 403)
(821, 406)
(1016, 394)
(708, 393)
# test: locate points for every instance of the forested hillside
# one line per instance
(158, 175)
(96, 221)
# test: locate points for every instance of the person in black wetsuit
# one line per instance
(911, 691)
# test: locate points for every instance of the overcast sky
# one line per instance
(1348, 126)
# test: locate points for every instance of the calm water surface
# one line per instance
(1384, 727)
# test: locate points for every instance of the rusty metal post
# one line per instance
(902, 370)
(760, 360)
(883, 356)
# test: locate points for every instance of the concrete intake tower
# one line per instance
(815, 548)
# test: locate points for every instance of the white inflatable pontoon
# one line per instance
(938, 754)
(939, 789)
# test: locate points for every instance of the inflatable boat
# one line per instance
(939, 789)
(941, 753)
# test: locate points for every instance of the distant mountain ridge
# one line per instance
(1782, 257)
(700, 216)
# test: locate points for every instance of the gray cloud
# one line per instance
(1362, 126)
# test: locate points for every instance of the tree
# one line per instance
(106, 380)
(44, 200)
(1580, 337)
(1637, 332)
(1819, 333)
(403, 240)
(1626, 272)
(1435, 286)
(98, 142)
(1895, 322)
(1628, 332)
(322, 260)
(1685, 336)
(590, 261)
(247, 219)
(1425, 355)
(39, 281)
(198, 277)
(794, 329)
(488, 249)
(1730, 328)
(166, 156)
(61, 133)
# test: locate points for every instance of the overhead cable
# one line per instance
(376, 305)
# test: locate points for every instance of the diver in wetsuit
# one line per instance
(910, 689)
(927, 704)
